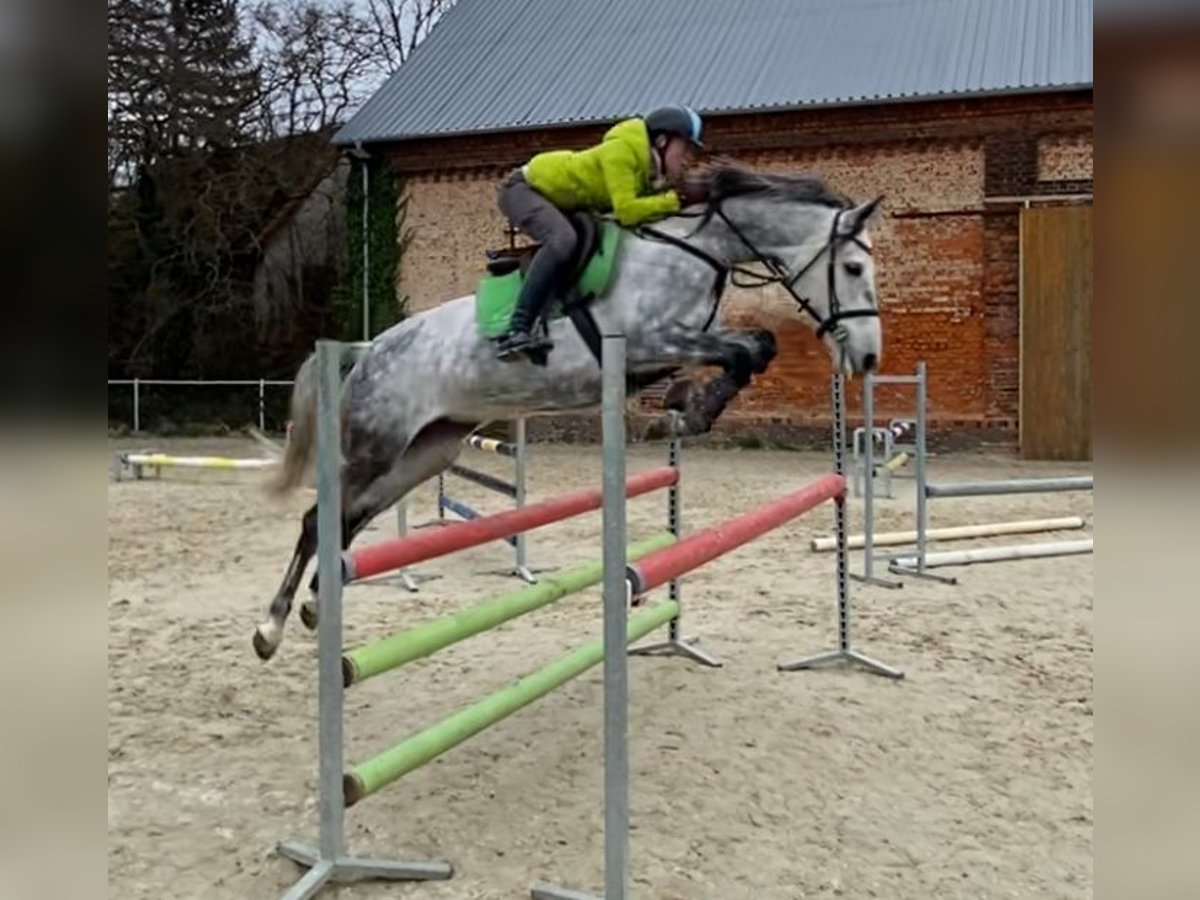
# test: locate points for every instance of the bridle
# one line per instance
(779, 275)
(830, 324)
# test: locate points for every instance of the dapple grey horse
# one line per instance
(421, 386)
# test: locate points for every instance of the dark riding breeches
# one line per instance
(546, 224)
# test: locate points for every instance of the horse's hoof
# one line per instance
(308, 614)
(657, 431)
(667, 427)
(263, 646)
(680, 396)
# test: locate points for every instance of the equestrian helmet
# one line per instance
(678, 120)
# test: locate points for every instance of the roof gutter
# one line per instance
(948, 96)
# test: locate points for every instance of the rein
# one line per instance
(778, 273)
(722, 270)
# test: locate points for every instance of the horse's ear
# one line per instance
(855, 220)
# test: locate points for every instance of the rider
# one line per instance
(636, 171)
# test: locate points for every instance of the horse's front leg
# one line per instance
(694, 408)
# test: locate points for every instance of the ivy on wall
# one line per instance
(386, 240)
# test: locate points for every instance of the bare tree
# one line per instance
(399, 25)
(317, 64)
(321, 60)
(219, 132)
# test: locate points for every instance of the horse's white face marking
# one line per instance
(854, 275)
(856, 343)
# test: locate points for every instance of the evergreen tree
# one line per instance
(180, 77)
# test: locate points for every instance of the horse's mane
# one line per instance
(728, 178)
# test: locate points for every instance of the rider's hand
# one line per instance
(692, 189)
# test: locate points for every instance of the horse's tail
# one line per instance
(298, 450)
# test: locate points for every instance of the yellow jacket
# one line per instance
(614, 175)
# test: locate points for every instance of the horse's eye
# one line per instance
(854, 269)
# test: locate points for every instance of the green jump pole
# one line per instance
(429, 637)
(413, 752)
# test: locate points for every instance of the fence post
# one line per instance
(262, 406)
(137, 417)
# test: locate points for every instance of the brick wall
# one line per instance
(929, 281)
(453, 221)
(947, 251)
(1001, 329)
(1065, 158)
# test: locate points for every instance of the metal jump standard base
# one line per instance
(844, 653)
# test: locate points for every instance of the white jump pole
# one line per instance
(926, 491)
(999, 554)
(953, 533)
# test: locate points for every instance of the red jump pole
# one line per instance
(704, 546)
(387, 556)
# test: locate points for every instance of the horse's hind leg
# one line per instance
(369, 485)
(270, 632)
(434, 448)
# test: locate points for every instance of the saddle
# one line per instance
(592, 264)
(504, 260)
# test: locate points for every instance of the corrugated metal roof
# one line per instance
(499, 65)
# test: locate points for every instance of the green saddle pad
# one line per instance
(496, 295)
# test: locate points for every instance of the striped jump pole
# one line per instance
(138, 462)
(491, 445)
(514, 490)
(844, 652)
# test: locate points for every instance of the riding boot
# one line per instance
(540, 281)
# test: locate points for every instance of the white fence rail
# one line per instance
(136, 385)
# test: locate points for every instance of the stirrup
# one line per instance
(519, 343)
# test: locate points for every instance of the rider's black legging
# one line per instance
(545, 223)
